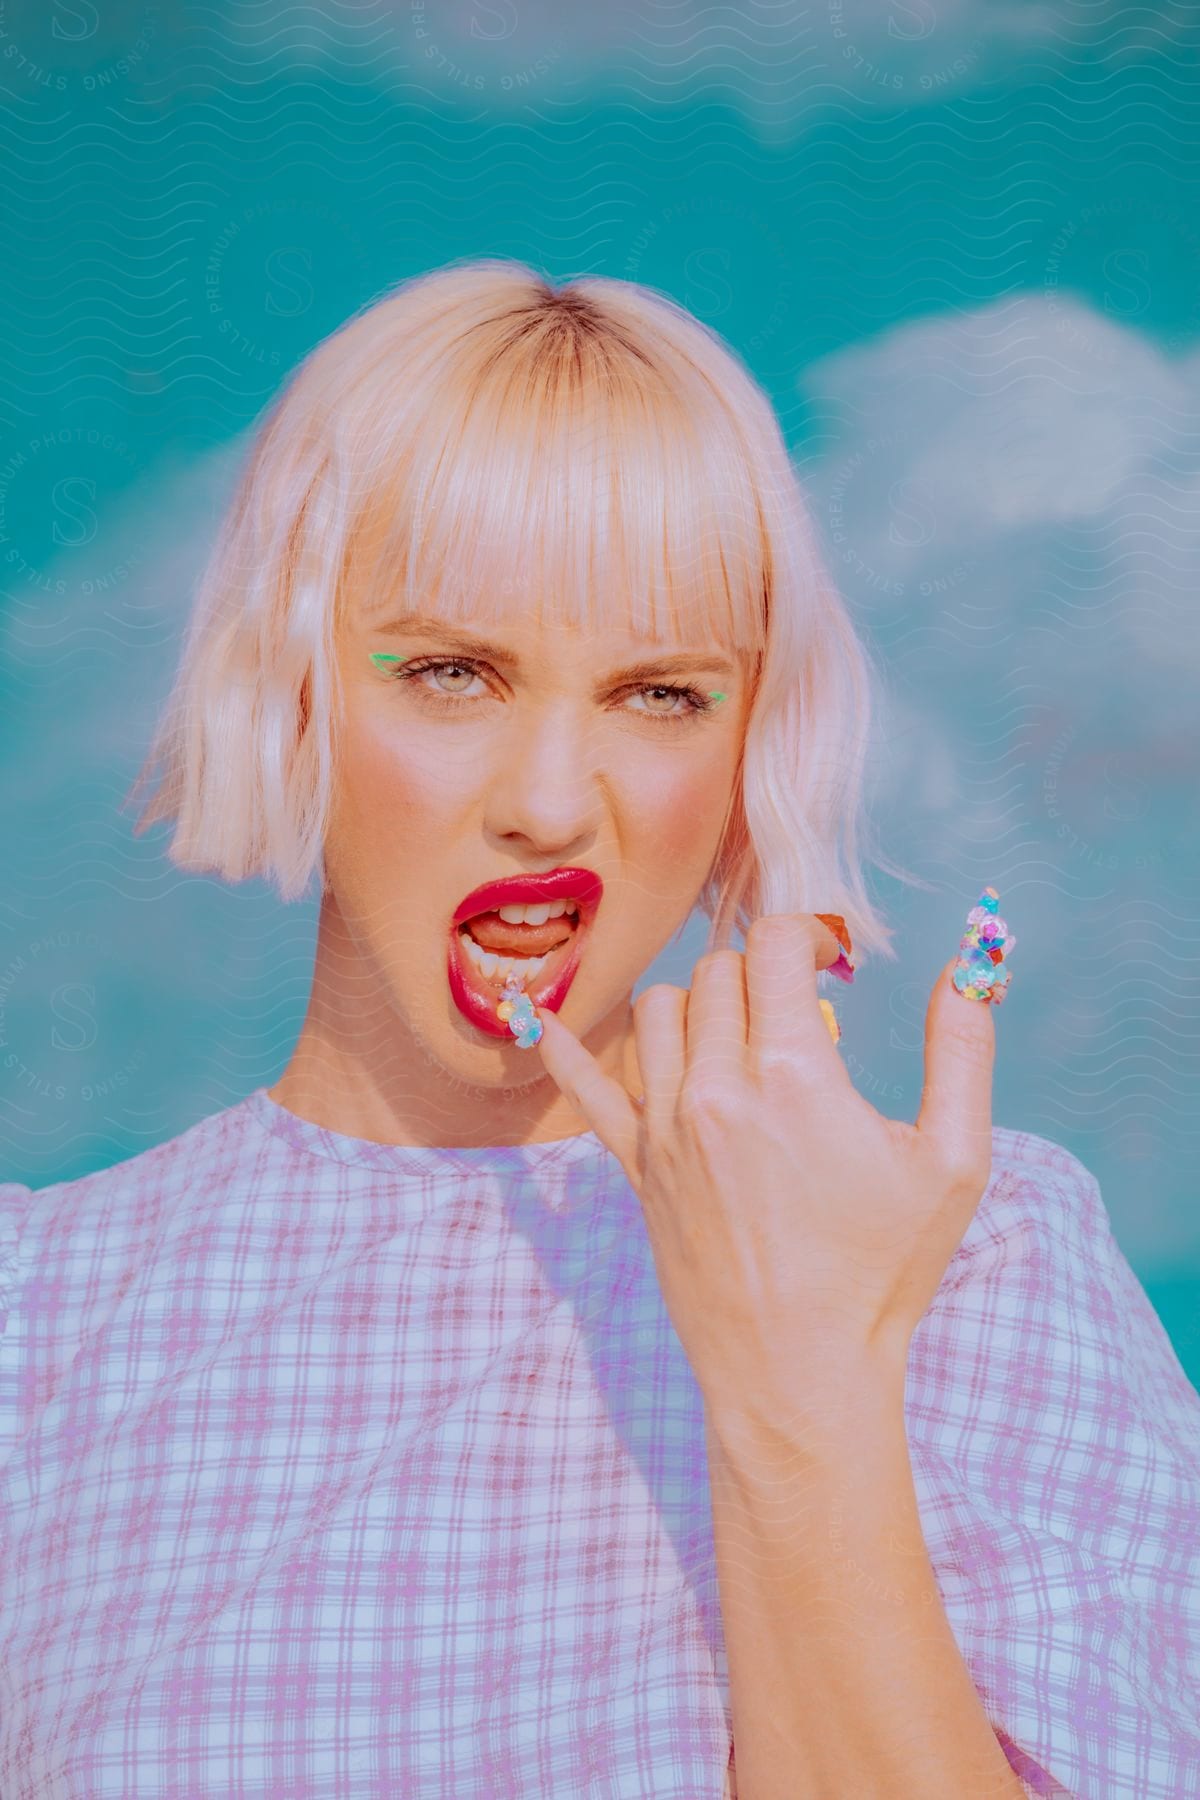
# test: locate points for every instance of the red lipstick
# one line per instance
(476, 1001)
(527, 890)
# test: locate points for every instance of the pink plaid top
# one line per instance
(333, 1468)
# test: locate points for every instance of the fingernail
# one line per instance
(516, 1009)
(979, 972)
(833, 1025)
(843, 968)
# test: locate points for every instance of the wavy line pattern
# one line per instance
(959, 247)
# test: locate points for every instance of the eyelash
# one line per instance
(698, 702)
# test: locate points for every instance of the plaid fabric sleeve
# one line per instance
(1055, 1444)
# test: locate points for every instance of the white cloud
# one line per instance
(774, 59)
(1031, 453)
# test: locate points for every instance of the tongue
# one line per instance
(495, 933)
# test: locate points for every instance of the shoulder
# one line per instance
(44, 1229)
(1026, 1150)
(1039, 1255)
(1041, 1203)
(1040, 1297)
(1055, 1443)
(1022, 1158)
(1039, 1233)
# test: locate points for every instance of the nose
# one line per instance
(543, 785)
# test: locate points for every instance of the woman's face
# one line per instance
(539, 752)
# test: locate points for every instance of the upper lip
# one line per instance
(521, 890)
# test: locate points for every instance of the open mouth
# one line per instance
(541, 953)
(497, 946)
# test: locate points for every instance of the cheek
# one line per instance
(680, 808)
(408, 793)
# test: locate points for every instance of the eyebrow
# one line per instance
(465, 643)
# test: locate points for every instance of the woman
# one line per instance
(686, 1402)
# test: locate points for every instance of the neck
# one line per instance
(365, 1063)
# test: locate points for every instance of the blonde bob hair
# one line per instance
(478, 440)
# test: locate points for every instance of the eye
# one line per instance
(695, 702)
(436, 666)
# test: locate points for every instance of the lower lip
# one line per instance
(477, 1001)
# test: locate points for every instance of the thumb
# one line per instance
(960, 1052)
(606, 1105)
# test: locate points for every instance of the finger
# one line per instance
(716, 1015)
(607, 1106)
(784, 952)
(659, 1015)
(955, 1115)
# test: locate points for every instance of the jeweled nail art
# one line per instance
(516, 1009)
(979, 972)
(843, 968)
(832, 1022)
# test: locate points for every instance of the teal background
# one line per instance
(959, 247)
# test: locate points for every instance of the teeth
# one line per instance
(537, 915)
(494, 966)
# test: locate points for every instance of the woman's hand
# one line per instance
(791, 1223)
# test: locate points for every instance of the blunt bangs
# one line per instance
(562, 477)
